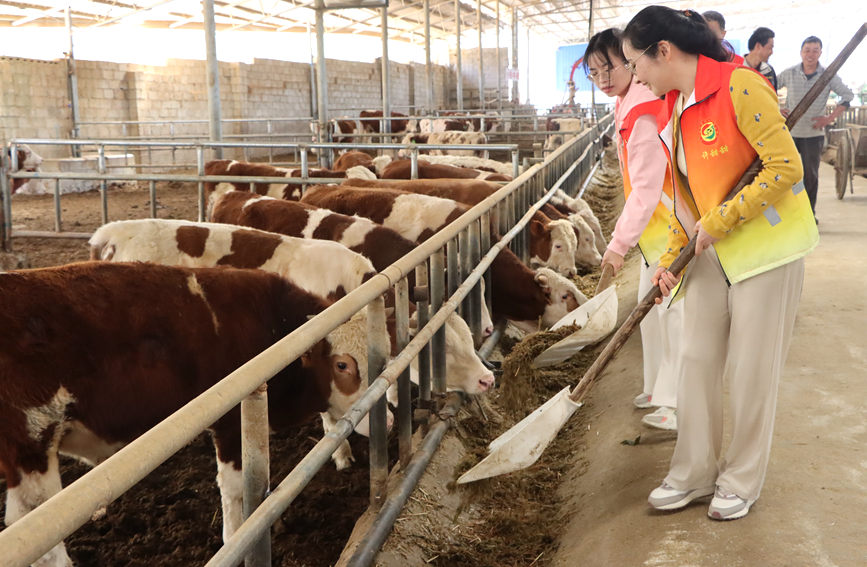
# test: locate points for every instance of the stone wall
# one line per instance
(34, 101)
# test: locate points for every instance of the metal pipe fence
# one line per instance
(102, 176)
(27, 539)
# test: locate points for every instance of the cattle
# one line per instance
(228, 167)
(429, 125)
(472, 162)
(415, 217)
(322, 267)
(577, 205)
(30, 161)
(586, 253)
(353, 158)
(448, 138)
(381, 245)
(465, 370)
(474, 124)
(553, 244)
(95, 354)
(371, 124)
(544, 295)
(402, 169)
(565, 128)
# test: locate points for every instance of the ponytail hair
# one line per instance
(686, 29)
(602, 45)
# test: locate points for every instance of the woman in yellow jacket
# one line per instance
(741, 292)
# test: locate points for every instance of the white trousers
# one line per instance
(660, 337)
(739, 333)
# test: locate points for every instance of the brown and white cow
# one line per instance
(577, 206)
(566, 129)
(28, 160)
(413, 216)
(323, 267)
(448, 138)
(402, 169)
(587, 253)
(372, 126)
(416, 217)
(473, 162)
(353, 158)
(279, 190)
(552, 243)
(381, 245)
(429, 125)
(95, 354)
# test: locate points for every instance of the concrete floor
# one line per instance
(813, 509)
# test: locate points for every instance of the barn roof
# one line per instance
(564, 20)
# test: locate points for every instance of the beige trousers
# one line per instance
(660, 338)
(741, 334)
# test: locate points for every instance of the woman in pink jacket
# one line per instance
(645, 217)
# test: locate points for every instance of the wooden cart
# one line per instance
(851, 156)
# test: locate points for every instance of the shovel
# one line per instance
(524, 443)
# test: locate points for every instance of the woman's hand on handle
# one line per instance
(613, 258)
(703, 240)
(665, 280)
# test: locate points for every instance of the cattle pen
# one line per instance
(462, 248)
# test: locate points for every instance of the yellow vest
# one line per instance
(717, 153)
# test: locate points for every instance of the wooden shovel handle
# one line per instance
(645, 305)
(605, 278)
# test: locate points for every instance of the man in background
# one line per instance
(809, 132)
(717, 24)
(761, 46)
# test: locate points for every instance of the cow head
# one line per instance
(562, 295)
(466, 373)
(553, 245)
(28, 160)
(347, 360)
(587, 254)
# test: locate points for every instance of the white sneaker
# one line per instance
(663, 418)
(642, 401)
(727, 505)
(665, 497)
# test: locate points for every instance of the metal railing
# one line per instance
(461, 243)
(102, 177)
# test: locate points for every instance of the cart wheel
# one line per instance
(843, 165)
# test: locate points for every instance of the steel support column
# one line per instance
(386, 106)
(428, 69)
(215, 128)
(459, 69)
(499, 65)
(72, 84)
(481, 59)
(515, 98)
(321, 78)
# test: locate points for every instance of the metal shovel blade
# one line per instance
(524, 443)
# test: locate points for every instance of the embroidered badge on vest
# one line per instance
(708, 132)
